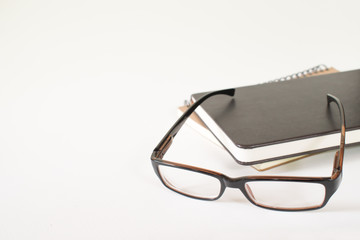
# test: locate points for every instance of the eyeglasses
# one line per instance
(285, 193)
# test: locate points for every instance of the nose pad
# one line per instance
(248, 190)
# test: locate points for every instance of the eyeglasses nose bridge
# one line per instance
(233, 182)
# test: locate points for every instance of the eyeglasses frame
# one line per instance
(330, 184)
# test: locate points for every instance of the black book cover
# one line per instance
(278, 112)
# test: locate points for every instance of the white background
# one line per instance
(88, 88)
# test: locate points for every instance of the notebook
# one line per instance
(283, 119)
(196, 123)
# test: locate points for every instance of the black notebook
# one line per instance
(284, 119)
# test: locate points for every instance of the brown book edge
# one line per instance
(267, 165)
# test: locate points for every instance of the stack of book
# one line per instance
(269, 124)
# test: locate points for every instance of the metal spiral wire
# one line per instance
(305, 73)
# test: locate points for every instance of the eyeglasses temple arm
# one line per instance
(166, 141)
(339, 156)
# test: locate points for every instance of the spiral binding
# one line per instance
(305, 73)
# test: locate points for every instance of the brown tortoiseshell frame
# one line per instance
(331, 183)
